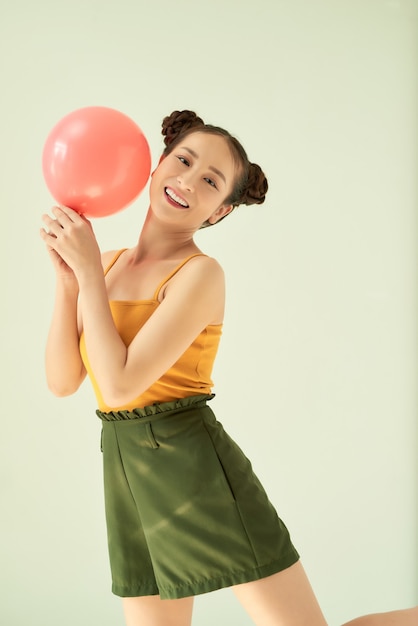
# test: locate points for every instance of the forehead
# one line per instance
(212, 150)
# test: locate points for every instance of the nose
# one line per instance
(186, 180)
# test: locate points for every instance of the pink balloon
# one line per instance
(96, 161)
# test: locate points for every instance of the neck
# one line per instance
(161, 241)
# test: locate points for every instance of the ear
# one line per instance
(220, 213)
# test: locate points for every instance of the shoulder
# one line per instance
(203, 267)
(199, 287)
(196, 271)
(108, 256)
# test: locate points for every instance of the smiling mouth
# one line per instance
(175, 198)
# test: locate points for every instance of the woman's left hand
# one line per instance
(71, 236)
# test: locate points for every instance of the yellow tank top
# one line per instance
(190, 375)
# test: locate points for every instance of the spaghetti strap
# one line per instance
(113, 261)
(167, 278)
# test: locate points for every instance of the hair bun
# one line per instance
(256, 187)
(177, 122)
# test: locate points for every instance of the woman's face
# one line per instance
(191, 183)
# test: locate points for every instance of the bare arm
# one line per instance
(63, 365)
(193, 300)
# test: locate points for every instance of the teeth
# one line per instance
(176, 198)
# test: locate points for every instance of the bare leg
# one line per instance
(152, 611)
(284, 599)
(287, 599)
(407, 617)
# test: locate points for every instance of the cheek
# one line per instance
(153, 186)
(157, 175)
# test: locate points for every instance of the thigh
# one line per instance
(152, 611)
(405, 617)
(283, 599)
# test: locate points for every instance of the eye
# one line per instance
(183, 160)
(211, 182)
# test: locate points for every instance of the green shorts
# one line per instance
(185, 513)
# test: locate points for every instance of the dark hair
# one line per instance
(251, 185)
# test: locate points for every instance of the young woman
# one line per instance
(185, 514)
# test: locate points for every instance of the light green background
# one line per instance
(320, 345)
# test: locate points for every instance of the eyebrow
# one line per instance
(211, 167)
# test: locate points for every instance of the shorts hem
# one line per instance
(123, 591)
(220, 582)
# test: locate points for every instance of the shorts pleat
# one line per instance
(185, 512)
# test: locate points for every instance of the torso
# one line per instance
(128, 280)
(137, 281)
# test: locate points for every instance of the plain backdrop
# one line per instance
(316, 374)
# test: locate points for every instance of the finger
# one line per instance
(47, 236)
(64, 213)
(54, 226)
(84, 218)
(76, 218)
(49, 240)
